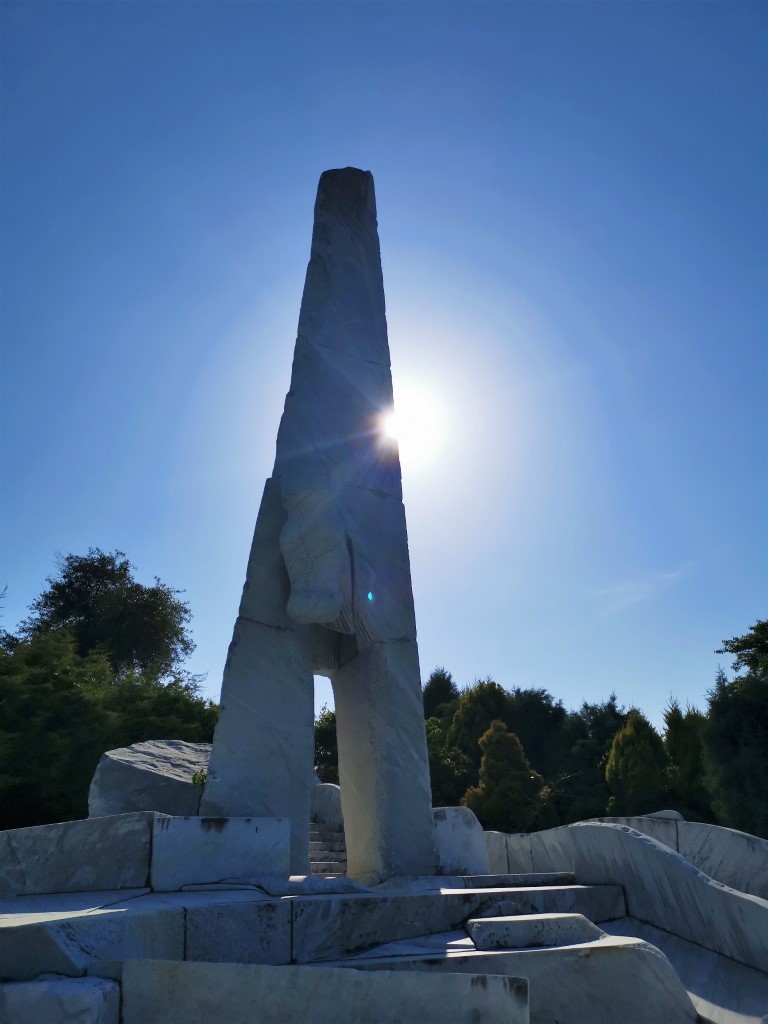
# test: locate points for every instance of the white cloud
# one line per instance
(618, 596)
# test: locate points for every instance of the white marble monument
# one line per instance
(328, 585)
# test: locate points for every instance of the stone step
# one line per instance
(315, 844)
(327, 867)
(328, 855)
(326, 837)
(531, 930)
(605, 979)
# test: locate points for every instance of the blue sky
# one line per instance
(574, 224)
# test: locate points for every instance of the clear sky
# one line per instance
(574, 226)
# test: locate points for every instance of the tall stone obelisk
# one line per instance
(328, 585)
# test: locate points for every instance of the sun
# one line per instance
(416, 423)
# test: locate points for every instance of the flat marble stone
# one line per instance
(526, 930)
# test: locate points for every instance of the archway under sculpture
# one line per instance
(328, 584)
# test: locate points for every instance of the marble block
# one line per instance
(734, 858)
(531, 930)
(66, 942)
(665, 890)
(601, 982)
(60, 1001)
(192, 851)
(74, 856)
(460, 842)
(242, 933)
(326, 805)
(156, 992)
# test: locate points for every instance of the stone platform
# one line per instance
(173, 927)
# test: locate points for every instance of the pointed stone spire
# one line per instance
(328, 587)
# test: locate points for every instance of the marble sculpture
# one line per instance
(328, 585)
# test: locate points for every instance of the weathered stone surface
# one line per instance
(519, 854)
(496, 845)
(326, 805)
(658, 826)
(721, 990)
(551, 850)
(92, 854)
(264, 741)
(665, 890)
(324, 928)
(531, 930)
(171, 993)
(734, 858)
(328, 585)
(151, 776)
(60, 1001)
(460, 842)
(192, 851)
(385, 792)
(242, 933)
(611, 979)
(65, 943)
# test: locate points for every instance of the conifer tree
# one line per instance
(506, 800)
(637, 768)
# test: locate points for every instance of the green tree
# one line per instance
(735, 742)
(478, 706)
(751, 649)
(59, 712)
(326, 747)
(507, 798)
(637, 768)
(587, 736)
(439, 692)
(97, 599)
(450, 771)
(683, 743)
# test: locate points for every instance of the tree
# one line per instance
(751, 649)
(682, 741)
(735, 742)
(637, 768)
(478, 706)
(326, 747)
(97, 599)
(587, 736)
(450, 771)
(59, 712)
(507, 797)
(438, 692)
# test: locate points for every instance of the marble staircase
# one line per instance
(327, 851)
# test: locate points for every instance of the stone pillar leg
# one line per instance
(383, 773)
(264, 744)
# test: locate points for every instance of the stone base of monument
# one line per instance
(193, 910)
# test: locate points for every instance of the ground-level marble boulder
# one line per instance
(153, 776)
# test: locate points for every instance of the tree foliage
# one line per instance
(735, 742)
(438, 693)
(506, 799)
(96, 598)
(683, 743)
(59, 712)
(751, 649)
(637, 768)
(450, 770)
(326, 747)
(478, 706)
